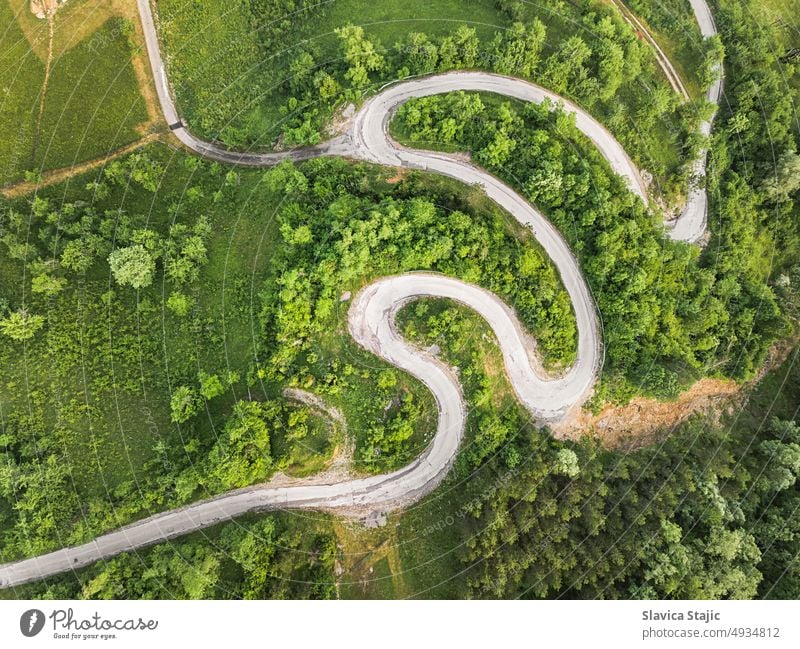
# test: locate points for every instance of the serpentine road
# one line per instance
(371, 321)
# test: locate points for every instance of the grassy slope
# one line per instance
(417, 554)
(673, 25)
(212, 47)
(21, 77)
(92, 104)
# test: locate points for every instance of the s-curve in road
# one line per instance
(371, 320)
(371, 124)
(368, 138)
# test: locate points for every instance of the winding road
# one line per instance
(371, 320)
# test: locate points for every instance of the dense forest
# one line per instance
(708, 511)
(711, 510)
(667, 315)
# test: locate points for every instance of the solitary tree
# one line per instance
(132, 266)
(184, 404)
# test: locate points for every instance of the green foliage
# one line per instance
(517, 50)
(185, 251)
(708, 512)
(138, 168)
(673, 24)
(567, 463)
(713, 58)
(348, 237)
(179, 303)
(210, 386)
(391, 437)
(387, 379)
(132, 266)
(494, 417)
(47, 284)
(291, 84)
(271, 558)
(701, 537)
(21, 325)
(241, 455)
(786, 181)
(649, 290)
(183, 404)
(360, 54)
(109, 355)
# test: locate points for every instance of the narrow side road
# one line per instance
(692, 225)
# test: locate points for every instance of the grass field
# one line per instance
(418, 554)
(91, 105)
(229, 69)
(226, 80)
(674, 27)
(113, 405)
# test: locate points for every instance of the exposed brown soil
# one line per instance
(44, 8)
(399, 175)
(644, 421)
(641, 421)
